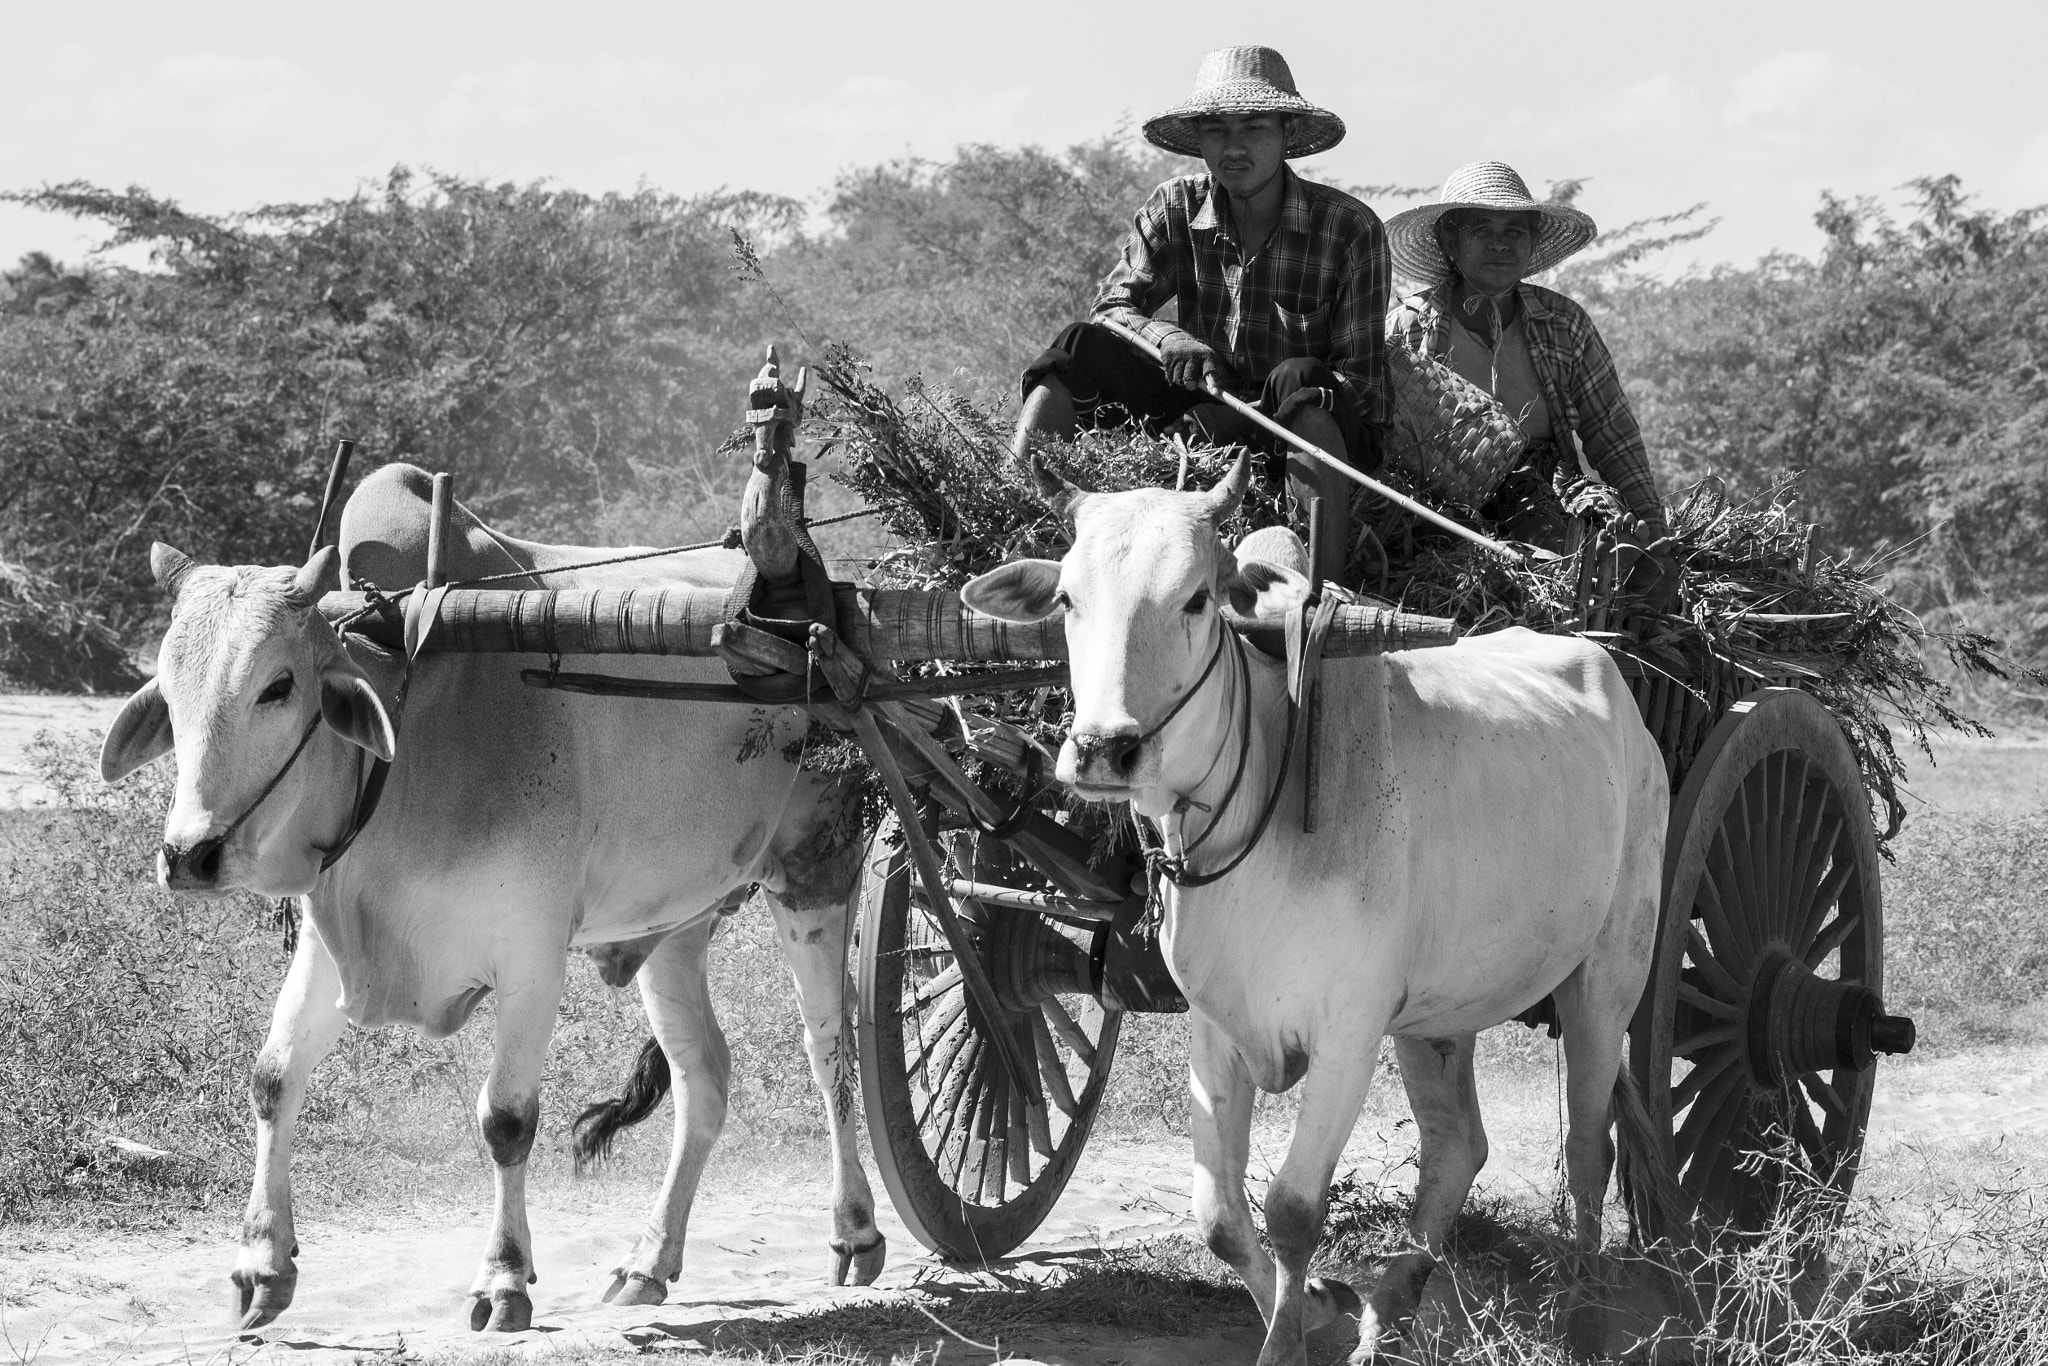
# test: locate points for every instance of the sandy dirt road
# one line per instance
(379, 1284)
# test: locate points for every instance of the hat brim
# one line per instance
(1315, 129)
(1411, 237)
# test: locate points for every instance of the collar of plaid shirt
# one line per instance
(1294, 214)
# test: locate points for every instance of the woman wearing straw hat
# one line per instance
(1530, 347)
(1280, 288)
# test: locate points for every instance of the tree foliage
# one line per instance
(578, 361)
(567, 356)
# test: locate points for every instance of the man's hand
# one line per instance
(1188, 360)
(1656, 574)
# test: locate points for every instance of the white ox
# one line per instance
(1492, 826)
(516, 824)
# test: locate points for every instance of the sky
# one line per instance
(1754, 108)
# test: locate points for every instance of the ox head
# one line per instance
(1143, 588)
(246, 666)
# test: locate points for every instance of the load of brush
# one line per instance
(1756, 595)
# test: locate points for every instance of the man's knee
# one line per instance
(1301, 372)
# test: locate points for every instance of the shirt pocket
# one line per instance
(1306, 330)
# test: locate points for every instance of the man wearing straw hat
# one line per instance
(1531, 348)
(1279, 286)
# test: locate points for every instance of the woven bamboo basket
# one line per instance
(1449, 437)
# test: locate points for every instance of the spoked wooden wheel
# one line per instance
(1757, 1038)
(972, 1169)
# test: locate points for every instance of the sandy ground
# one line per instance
(390, 1283)
(22, 715)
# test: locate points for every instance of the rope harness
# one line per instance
(1306, 631)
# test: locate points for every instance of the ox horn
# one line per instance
(1063, 493)
(170, 566)
(1220, 502)
(316, 576)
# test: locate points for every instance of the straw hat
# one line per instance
(1245, 80)
(1493, 185)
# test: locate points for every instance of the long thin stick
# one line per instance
(336, 472)
(1316, 452)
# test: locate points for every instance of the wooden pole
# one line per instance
(1315, 452)
(337, 470)
(437, 530)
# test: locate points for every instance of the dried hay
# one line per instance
(1757, 598)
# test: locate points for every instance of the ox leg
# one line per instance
(813, 939)
(508, 1114)
(1220, 1122)
(1593, 1007)
(1332, 1094)
(676, 990)
(304, 1027)
(1444, 1098)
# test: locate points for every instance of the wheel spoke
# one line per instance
(1807, 1134)
(938, 986)
(1810, 844)
(1710, 1037)
(959, 1033)
(1063, 1024)
(1723, 981)
(1019, 1144)
(931, 1032)
(959, 1103)
(1830, 889)
(1749, 870)
(1052, 1069)
(1729, 944)
(1825, 1096)
(1717, 1095)
(1703, 1071)
(1708, 1005)
(1831, 938)
(992, 1134)
(1827, 852)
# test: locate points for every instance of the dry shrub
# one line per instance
(48, 641)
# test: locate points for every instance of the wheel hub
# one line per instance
(1032, 958)
(1798, 1023)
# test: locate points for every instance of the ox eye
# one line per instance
(279, 689)
(1196, 603)
(1062, 601)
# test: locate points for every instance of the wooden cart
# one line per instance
(1001, 939)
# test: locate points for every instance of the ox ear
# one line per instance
(1021, 591)
(1260, 588)
(170, 566)
(320, 574)
(351, 707)
(141, 732)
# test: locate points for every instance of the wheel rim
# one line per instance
(1770, 963)
(972, 1171)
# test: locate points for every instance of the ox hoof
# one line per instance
(865, 1261)
(636, 1287)
(1380, 1341)
(504, 1311)
(260, 1297)
(1585, 1330)
(1333, 1300)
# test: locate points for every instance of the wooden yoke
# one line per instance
(768, 530)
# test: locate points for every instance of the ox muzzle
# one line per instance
(191, 867)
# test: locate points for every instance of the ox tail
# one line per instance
(1658, 1207)
(598, 1127)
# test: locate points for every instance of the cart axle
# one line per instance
(1799, 1023)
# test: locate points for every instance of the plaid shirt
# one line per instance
(1317, 289)
(1577, 375)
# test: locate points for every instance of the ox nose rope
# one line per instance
(1174, 867)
